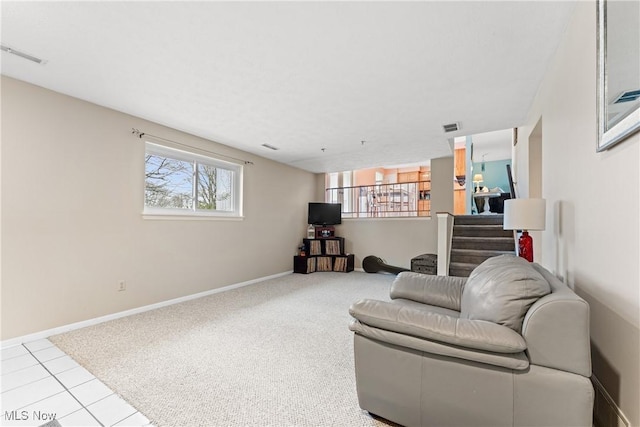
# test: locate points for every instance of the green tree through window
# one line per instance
(179, 180)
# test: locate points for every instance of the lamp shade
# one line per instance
(524, 214)
(478, 178)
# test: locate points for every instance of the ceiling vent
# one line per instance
(22, 54)
(270, 147)
(451, 127)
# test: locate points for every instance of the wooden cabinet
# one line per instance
(422, 178)
(459, 192)
(424, 198)
(459, 201)
(408, 176)
(459, 162)
(323, 255)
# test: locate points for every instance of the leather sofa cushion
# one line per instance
(429, 325)
(428, 307)
(517, 361)
(441, 291)
(501, 290)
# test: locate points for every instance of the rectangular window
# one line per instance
(179, 182)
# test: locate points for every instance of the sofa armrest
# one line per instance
(473, 334)
(515, 361)
(442, 291)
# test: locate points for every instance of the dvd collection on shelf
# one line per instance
(326, 254)
(315, 247)
(323, 263)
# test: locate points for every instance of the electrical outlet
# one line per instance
(122, 285)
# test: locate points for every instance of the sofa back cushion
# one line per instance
(501, 290)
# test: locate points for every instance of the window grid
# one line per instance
(179, 182)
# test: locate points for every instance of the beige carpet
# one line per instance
(277, 353)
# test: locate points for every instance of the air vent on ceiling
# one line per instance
(628, 96)
(451, 127)
(21, 54)
(270, 147)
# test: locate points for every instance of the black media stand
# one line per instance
(324, 254)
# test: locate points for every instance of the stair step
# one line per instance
(481, 230)
(478, 219)
(475, 256)
(475, 239)
(461, 269)
(483, 243)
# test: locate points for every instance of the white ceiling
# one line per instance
(301, 76)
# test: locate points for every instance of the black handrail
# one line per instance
(406, 199)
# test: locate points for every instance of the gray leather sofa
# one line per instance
(508, 346)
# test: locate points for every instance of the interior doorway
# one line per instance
(484, 162)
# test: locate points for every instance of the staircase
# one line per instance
(476, 238)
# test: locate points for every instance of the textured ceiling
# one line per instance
(301, 76)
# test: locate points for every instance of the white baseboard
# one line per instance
(90, 322)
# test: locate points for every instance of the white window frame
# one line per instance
(194, 213)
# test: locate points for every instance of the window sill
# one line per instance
(190, 216)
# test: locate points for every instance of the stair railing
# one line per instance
(445, 235)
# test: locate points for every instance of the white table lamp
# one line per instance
(525, 215)
(477, 179)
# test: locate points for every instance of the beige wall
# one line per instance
(398, 240)
(72, 197)
(592, 235)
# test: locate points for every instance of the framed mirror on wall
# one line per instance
(618, 77)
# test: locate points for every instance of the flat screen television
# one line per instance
(325, 213)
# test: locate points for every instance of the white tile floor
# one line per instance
(40, 382)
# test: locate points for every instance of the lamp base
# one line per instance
(525, 246)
